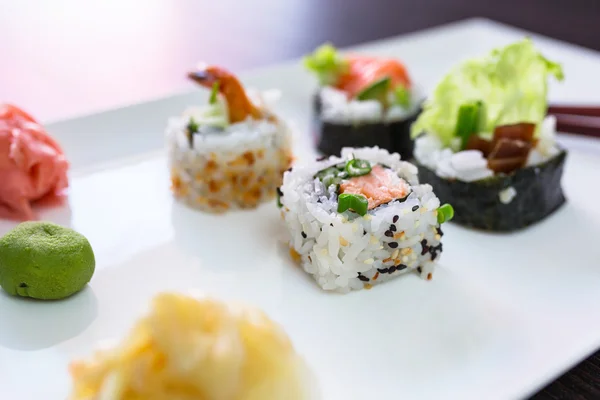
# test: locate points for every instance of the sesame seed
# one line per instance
(395, 253)
(331, 224)
(362, 277)
(406, 251)
(415, 208)
(439, 231)
(364, 232)
(368, 286)
(392, 269)
(419, 269)
(393, 245)
(376, 276)
(400, 267)
(395, 219)
(383, 270)
(429, 276)
(393, 228)
(369, 261)
(303, 234)
(389, 234)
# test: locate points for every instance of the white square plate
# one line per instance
(503, 315)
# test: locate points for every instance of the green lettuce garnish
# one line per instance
(326, 64)
(511, 82)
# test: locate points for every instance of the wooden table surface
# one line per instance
(64, 58)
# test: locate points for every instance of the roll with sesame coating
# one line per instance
(361, 219)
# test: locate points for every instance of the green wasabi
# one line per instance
(45, 261)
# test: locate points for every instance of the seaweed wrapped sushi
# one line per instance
(361, 219)
(486, 144)
(230, 153)
(362, 101)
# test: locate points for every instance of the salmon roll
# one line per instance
(362, 101)
(230, 153)
(485, 143)
(361, 219)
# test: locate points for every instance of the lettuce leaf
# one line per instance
(326, 64)
(511, 81)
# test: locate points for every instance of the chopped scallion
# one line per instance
(445, 213)
(468, 121)
(354, 202)
(357, 167)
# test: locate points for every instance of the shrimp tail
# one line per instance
(239, 105)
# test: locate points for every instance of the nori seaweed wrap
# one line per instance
(485, 144)
(536, 191)
(362, 102)
(393, 136)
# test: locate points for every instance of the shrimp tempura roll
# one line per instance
(230, 153)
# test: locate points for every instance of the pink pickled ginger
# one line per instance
(33, 167)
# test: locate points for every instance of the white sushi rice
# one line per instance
(336, 248)
(336, 107)
(470, 165)
(235, 167)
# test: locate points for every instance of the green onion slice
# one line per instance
(357, 167)
(468, 121)
(331, 171)
(445, 213)
(354, 202)
(213, 93)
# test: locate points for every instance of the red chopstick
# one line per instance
(578, 120)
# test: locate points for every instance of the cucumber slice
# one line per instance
(377, 90)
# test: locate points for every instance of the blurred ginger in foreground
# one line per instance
(187, 349)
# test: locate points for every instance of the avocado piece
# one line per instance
(377, 90)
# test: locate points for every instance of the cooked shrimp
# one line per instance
(238, 103)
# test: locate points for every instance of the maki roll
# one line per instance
(230, 153)
(362, 101)
(485, 143)
(361, 219)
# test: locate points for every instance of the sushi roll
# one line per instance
(362, 101)
(486, 144)
(230, 153)
(361, 219)
(190, 348)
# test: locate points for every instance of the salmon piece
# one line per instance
(33, 167)
(380, 186)
(364, 70)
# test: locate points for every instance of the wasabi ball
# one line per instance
(45, 261)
